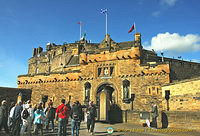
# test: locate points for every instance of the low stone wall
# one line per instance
(183, 119)
(175, 119)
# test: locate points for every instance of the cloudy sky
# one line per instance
(171, 26)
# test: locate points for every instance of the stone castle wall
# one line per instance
(183, 70)
(11, 94)
(184, 96)
(183, 119)
(63, 71)
(126, 66)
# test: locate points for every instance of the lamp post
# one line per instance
(132, 99)
(167, 93)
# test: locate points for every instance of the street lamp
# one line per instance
(167, 93)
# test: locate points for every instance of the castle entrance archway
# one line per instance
(105, 98)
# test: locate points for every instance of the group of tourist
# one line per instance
(21, 118)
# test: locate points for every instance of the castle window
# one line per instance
(50, 61)
(111, 70)
(149, 90)
(99, 71)
(37, 62)
(49, 68)
(153, 88)
(105, 70)
(37, 70)
(157, 91)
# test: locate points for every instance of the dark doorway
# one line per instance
(107, 108)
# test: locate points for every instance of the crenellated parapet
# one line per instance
(53, 78)
(132, 53)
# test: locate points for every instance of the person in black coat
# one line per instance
(91, 116)
(17, 119)
(76, 115)
(50, 115)
(4, 116)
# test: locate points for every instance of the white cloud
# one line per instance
(165, 4)
(174, 42)
(156, 13)
(168, 2)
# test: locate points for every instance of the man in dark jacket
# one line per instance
(76, 115)
(91, 115)
(50, 115)
(4, 116)
(17, 119)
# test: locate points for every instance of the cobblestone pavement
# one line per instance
(125, 129)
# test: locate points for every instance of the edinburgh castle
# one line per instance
(108, 73)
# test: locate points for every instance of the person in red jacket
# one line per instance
(62, 112)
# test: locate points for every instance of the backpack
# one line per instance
(76, 115)
(25, 114)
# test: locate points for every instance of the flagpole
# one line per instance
(106, 26)
(135, 30)
(80, 29)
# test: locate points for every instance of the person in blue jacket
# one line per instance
(39, 119)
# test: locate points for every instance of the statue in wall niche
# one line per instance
(126, 92)
(87, 91)
(87, 94)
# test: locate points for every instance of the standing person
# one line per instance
(17, 119)
(76, 115)
(11, 115)
(34, 108)
(50, 115)
(27, 117)
(91, 115)
(4, 116)
(62, 112)
(23, 105)
(154, 112)
(38, 120)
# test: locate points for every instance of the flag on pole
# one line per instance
(83, 37)
(103, 11)
(79, 23)
(132, 28)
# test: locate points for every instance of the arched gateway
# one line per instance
(106, 98)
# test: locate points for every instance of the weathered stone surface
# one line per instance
(11, 94)
(184, 95)
(63, 71)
